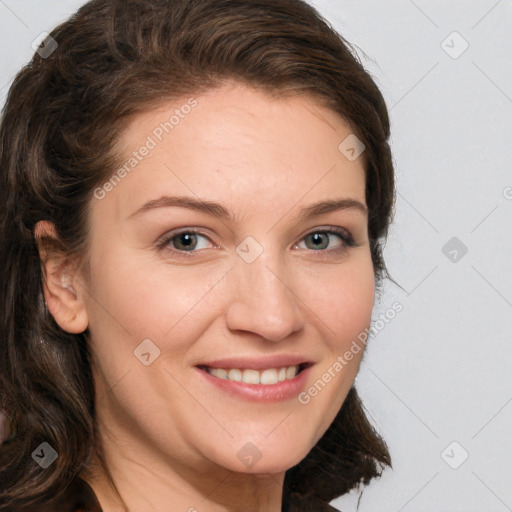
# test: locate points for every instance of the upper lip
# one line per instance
(257, 363)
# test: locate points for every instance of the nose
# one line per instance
(263, 300)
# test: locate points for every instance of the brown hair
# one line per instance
(63, 115)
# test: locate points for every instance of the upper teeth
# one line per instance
(249, 376)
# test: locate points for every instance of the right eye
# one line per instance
(183, 241)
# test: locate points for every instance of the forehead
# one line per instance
(238, 143)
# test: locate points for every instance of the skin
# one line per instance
(169, 437)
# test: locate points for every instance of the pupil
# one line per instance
(316, 237)
(186, 240)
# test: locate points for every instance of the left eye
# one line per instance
(321, 239)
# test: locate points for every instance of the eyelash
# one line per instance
(347, 241)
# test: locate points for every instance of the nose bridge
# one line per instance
(263, 300)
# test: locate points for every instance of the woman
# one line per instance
(194, 199)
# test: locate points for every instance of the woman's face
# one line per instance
(269, 281)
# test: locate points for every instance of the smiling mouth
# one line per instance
(266, 376)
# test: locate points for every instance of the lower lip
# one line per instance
(277, 392)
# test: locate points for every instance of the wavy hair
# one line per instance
(60, 123)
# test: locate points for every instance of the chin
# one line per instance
(264, 457)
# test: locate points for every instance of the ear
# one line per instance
(62, 291)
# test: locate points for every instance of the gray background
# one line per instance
(438, 373)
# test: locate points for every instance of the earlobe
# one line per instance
(62, 293)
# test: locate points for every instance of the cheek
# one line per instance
(133, 299)
(342, 298)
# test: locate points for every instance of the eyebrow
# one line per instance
(219, 211)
